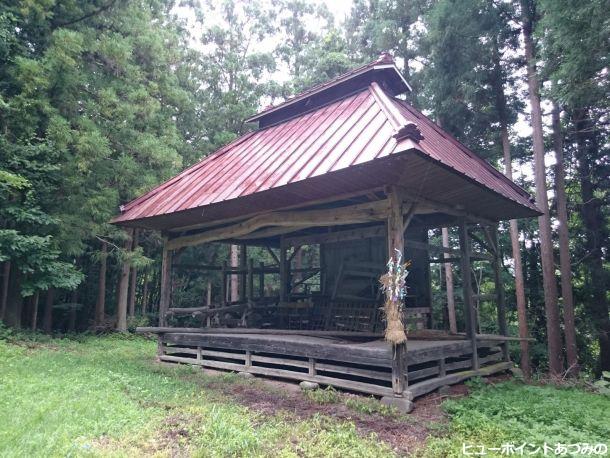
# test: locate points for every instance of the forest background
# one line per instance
(102, 100)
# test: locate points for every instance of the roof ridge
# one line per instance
(384, 59)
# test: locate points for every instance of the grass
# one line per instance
(106, 397)
(514, 413)
(361, 404)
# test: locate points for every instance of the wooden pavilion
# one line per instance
(350, 168)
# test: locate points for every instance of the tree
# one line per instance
(296, 38)
(90, 105)
(555, 352)
(233, 75)
(564, 246)
(576, 48)
(374, 27)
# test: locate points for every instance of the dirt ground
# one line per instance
(404, 433)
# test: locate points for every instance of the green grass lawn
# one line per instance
(105, 396)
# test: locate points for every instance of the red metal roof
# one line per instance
(354, 131)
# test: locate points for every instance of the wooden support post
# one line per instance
(399, 369)
(449, 284)
(243, 261)
(499, 286)
(261, 279)
(311, 367)
(283, 273)
(250, 289)
(165, 291)
(469, 312)
(223, 284)
(248, 360)
(396, 243)
(208, 302)
(442, 369)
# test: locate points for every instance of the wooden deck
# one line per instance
(353, 364)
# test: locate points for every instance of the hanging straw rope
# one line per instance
(394, 288)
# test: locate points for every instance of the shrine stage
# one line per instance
(352, 361)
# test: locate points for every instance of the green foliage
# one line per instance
(602, 386)
(516, 413)
(102, 396)
(370, 406)
(326, 395)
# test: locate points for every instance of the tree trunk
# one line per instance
(501, 108)
(6, 272)
(544, 221)
(133, 280)
(72, 318)
(100, 304)
(596, 300)
(14, 307)
(449, 285)
(48, 311)
(35, 301)
(564, 248)
(121, 324)
(516, 250)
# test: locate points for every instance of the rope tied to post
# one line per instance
(393, 285)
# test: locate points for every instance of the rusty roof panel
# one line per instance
(356, 130)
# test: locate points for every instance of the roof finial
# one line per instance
(385, 58)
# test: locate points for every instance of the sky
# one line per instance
(339, 8)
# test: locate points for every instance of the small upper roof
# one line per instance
(301, 148)
(383, 71)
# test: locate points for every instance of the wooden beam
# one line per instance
(351, 214)
(470, 315)
(302, 205)
(344, 235)
(408, 216)
(272, 232)
(166, 330)
(435, 248)
(411, 196)
(297, 248)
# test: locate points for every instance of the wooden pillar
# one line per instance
(234, 255)
(499, 287)
(223, 283)
(165, 292)
(243, 264)
(250, 291)
(396, 242)
(469, 312)
(261, 279)
(449, 284)
(283, 273)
